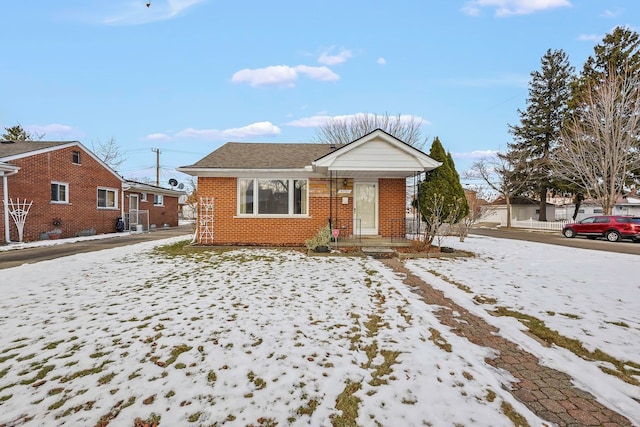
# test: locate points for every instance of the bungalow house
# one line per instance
(522, 209)
(148, 206)
(284, 193)
(69, 191)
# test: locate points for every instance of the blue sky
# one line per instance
(186, 76)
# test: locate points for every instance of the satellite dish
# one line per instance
(173, 182)
(180, 186)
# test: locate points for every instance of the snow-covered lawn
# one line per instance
(265, 337)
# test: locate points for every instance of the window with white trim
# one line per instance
(265, 196)
(107, 198)
(158, 200)
(59, 192)
(143, 197)
(75, 157)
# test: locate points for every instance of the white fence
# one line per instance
(539, 225)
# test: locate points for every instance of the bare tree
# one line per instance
(109, 152)
(478, 206)
(343, 130)
(502, 174)
(600, 145)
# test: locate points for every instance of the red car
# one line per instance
(611, 227)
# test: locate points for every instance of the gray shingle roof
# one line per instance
(9, 148)
(251, 155)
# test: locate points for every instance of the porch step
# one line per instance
(378, 252)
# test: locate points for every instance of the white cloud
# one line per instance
(477, 154)
(51, 129)
(608, 13)
(317, 73)
(254, 130)
(309, 122)
(158, 137)
(282, 75)
(137, 13)
(327, 59)
(589, 38)
(320, 120)
(381, 61)
(513, 7)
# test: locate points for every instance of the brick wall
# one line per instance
(229, 229)
(33, 183)
(158, 215)
(392, 206)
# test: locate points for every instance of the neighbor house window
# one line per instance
(59, 192)
(143, 197)
(258, 196)
(76, 157)
(107, 198)
(158, 200)
(597, 211)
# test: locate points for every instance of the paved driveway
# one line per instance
(556, 238)
(13, 258)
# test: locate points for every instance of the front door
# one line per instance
(365, 208)
(134, 205)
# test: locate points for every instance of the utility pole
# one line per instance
(157, 151)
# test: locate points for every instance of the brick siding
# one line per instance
(33, 183)
(229, 229)
(167, 213)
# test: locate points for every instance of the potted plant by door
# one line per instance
(320, 243)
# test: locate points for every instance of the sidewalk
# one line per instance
(547, 392)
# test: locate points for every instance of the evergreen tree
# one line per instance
(443, 181)
(540, 124)
(457, 188)
(619, 54)
(17, 133)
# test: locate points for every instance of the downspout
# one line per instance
(330, 198)
(5, 197)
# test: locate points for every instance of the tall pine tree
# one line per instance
(541, 123)
(445, 182)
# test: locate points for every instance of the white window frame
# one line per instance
(256, 201)
(108, 190)
(73, 155)
(158, 200)
(65, 185)
(143, 197)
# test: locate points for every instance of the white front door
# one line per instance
(134, 205)
(365, 208)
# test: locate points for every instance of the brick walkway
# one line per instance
(546, 392)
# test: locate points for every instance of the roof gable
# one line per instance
(11, 150)
(377, 151)
(14, 150)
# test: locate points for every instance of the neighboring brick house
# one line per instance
(71, 190)
(282, 194)
(150, 206)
